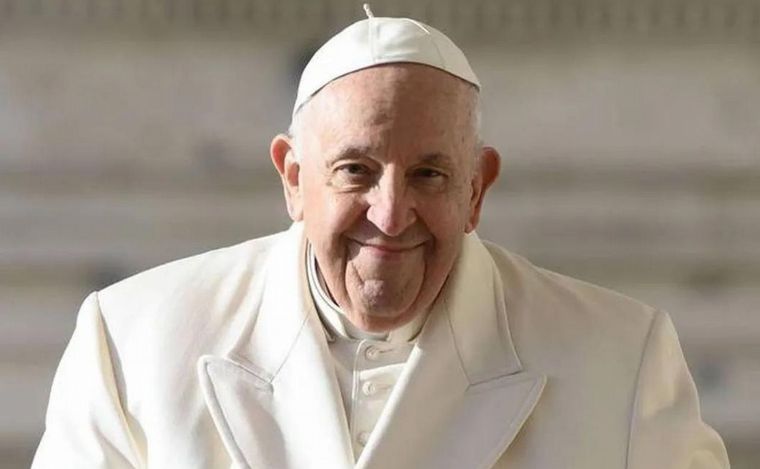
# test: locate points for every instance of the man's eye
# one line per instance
(354, 169)
(428, 173)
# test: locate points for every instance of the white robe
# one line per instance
(219, 360)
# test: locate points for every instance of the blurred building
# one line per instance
(133, 132)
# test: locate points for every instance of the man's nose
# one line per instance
(391, 207)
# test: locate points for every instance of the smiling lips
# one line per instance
(387, 250)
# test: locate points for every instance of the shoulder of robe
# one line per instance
(170, 296)
(543, 306)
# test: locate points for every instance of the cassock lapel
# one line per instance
(274, 397)
(463, 395)
(460, 401)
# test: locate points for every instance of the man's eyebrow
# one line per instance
(348, 152)
(437, 158)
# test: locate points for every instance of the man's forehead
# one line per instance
(395, 144)
(422, 110)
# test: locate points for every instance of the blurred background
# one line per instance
(133, 132)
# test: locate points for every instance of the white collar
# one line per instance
(335, 320)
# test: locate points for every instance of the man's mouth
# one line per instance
(387, 249)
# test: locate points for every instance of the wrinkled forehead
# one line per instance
(405, 92)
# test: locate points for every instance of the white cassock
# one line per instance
(220, 360)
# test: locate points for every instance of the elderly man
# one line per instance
(379, 331)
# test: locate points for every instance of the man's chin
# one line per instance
(380, 320)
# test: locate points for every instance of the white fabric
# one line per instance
(375, 41)
(367, 372)
(220, 361)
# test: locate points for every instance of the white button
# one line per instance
(372, 353)
(362, 438)
(369, 388)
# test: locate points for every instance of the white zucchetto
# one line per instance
(375, 41)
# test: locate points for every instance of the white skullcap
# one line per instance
(374, 41)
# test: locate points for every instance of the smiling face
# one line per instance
(387, 177)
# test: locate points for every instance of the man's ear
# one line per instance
(487, 171)
(284, 160)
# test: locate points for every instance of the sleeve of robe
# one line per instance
(85, 426)
(667, 431)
